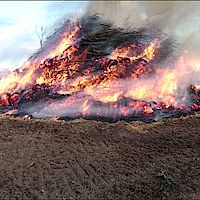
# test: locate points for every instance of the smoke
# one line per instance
(168, 84)
(181, 19)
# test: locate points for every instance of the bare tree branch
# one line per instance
(41, 34)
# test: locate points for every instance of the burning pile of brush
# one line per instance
(100, 72)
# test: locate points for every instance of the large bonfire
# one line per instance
(100, 72)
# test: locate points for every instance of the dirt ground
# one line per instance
(83, 159)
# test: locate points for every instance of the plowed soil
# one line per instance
(80, 159)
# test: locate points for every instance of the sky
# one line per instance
(19, 22)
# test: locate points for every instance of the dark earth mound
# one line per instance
(83, 159)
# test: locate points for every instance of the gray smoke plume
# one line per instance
(178, 19)
(181, 19)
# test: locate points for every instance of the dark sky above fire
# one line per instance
(18, 24)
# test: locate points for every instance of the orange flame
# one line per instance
(66, 71)
(148, 53)
(67, 40)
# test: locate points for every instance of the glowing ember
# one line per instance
(96, 74)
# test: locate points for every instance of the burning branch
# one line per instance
(97, 71)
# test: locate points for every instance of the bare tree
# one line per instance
(41, 34)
